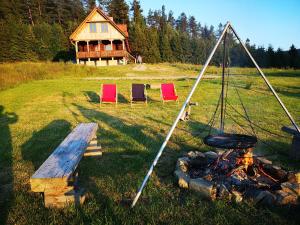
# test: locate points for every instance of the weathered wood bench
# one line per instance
(57, 176)
(295, 151)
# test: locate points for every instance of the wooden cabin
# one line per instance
(99, 41)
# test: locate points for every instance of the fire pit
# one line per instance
(237, 174)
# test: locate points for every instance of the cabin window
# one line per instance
(93, 28)
(104, 28)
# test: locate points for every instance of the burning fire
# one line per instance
(246, 159)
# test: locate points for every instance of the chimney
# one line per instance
(111, 18)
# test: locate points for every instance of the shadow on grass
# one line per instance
(122, 98)
(295, 93)
(6, 163)
(130, 142)
(92, 96)
(289, 73)
(43, 142)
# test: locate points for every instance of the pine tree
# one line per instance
(270, 57)
(182, 23)
(151, 54)
(90, 5)
(137, 36)
(164, 38)
(193, 27)
(104, 4)
(294, 57)
(176, 47)
(43, 36)
(171, 19)
(118, 9)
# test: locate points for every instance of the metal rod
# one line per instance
(266, 81)
(223, 83)
(178, 117)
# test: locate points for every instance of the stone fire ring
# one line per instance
(207, 189)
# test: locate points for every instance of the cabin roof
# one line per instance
(122, 28)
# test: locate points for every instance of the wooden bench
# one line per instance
(295, 151)
(57, 176)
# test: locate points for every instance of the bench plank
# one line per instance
(63, 161)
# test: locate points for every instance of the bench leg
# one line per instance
(93, 149)
(59, 197)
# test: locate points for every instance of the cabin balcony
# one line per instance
(101, 54)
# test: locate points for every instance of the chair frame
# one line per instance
(162, 98)
(101, 93)
(146, 95)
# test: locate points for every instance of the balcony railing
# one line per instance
(102, 54)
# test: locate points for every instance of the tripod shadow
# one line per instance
(6, 163)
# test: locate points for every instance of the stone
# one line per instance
(194, 154)
(223, 192)
(183, 164)
(211, 155)
(265, 198)
(263, 160)
(203, 187)
(291, 187)
(198, 162)
(283, 198)
(237, 196)
(275, 172)
(297, 175)
(183, 179)
(291, 177)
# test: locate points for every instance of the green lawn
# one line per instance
(37, 115)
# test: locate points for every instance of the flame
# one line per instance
(246, 159)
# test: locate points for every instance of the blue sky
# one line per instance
(264, 22)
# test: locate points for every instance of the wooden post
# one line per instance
(123, 43)
(88, 48)
(76, 47)
(99, 49)
(111, 43)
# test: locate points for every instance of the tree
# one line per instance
(171, 19)
(137, 29)
(104, 4)
(182, 23)
(270, 57)
(176, 47)
(90, 5)
(193, 27)
(293, 57)
(152, 54)
(118, 9)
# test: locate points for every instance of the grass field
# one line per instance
(38, 111)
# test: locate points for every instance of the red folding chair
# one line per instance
(168, 93)
(109, 94)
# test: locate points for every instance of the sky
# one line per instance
(264, 22)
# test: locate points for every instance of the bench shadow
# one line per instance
(92, 96)
(6, 163)
(43, 142)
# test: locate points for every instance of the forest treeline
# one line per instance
(39, 30)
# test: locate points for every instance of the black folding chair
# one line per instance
(138, 93)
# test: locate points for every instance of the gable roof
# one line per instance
(120, 27)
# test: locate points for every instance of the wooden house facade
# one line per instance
(99, 41)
